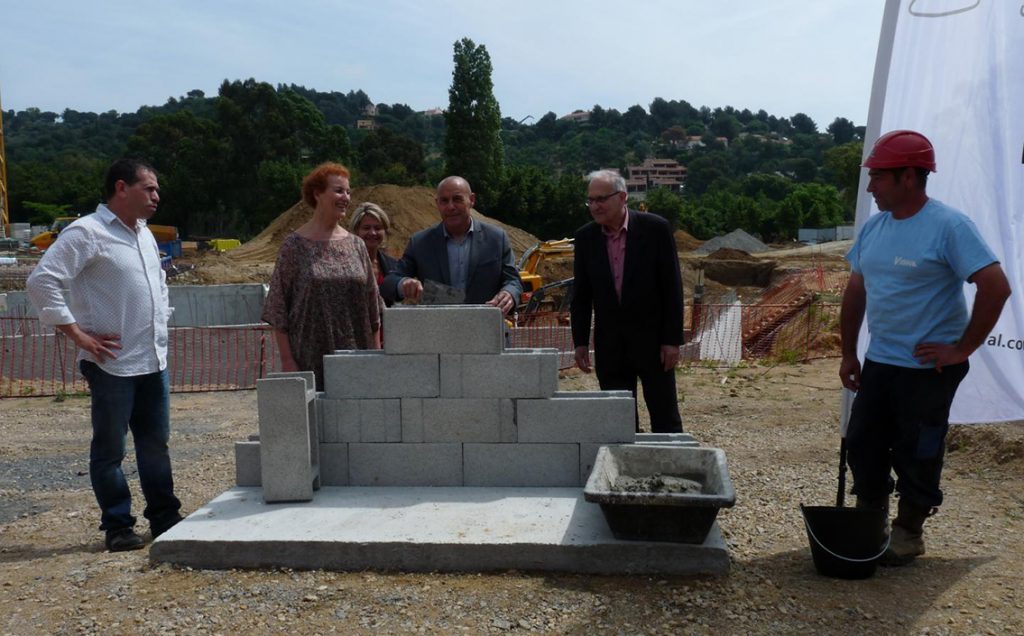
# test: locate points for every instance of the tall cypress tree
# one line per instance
(472, 140)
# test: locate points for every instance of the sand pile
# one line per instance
(410, 210)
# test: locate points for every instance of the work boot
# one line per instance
(906, 542)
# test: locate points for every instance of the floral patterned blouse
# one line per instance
(324, 295)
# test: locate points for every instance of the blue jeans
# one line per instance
(141, 404)
(898, 424)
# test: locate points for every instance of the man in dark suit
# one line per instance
(627, 273)
(459, 252)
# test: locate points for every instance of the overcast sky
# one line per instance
(785, 56)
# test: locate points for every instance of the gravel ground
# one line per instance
(776, 424)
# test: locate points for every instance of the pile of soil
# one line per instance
(730, 254)
(685, 242)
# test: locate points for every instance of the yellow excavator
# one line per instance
(529, 264)
(538, 296)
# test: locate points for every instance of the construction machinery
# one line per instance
(166, 236)
(529, 264)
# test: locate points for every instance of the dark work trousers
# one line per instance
(898, 424)
(659, 389)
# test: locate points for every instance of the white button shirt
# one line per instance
(115, 287)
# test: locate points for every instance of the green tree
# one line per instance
(386, 157)
(809, 205)
(666, 204)
(842, 169)
(472, 141)
(842, 130)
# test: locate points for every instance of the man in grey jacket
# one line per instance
(460, 252)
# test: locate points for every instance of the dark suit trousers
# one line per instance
(617, 373)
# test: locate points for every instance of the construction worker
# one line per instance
(908, 267)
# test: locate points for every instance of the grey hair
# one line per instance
(373, 210)
(610, 176)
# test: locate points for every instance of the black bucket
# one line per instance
(846, 543)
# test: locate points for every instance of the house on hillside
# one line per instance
(577, 116)
(654, 173)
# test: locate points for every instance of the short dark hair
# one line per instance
(124, 169)
(922, 174)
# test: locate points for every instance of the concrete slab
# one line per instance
(425, 530)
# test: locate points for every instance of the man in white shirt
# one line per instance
(116, 313)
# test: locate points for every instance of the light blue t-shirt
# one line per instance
(914, 271)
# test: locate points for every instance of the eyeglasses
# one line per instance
(601, 199)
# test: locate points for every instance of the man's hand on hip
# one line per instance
(943, 355)
(98, 346)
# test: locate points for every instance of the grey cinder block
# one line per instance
(380, 420)
(540, 465)
(516, 373)
(308, 376)
(444, 329)
(340, 420)
(465, 420)
(412, 420)
(288, 470)
(334, 464)
(372, 374)
(405, 464)
(509, 432)
(564, 419)
(588, 453)
(247, 463)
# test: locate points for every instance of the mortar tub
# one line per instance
(660, 516)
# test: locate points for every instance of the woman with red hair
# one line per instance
(323, 293)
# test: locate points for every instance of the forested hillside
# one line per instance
(229, 164)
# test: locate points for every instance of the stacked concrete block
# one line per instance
(445, 329)
(289, 444)
(445, 404)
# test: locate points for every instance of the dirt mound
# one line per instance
(988, 444)
(730, 254)
(686, 242)
(410, 210)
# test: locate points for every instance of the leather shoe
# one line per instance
(157, 530)
(124, 539)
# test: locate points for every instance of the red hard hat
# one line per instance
(902, 149)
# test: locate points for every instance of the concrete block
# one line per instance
(372, 374)
(533, 465)
(592, 394)
(667, 439)
(308, 376)
(334, 464)
(380, 420)
(443, 329)
(509, 432)
(341, 421)
(604, 420)
(516, 373)
(412, 420)
(247, 463)
(588, 453)
(465, 420)
(405, 464)
(288, 467)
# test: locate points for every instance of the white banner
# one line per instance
(953, 70)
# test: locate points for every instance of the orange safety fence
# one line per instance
(35, 361)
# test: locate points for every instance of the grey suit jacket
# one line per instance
(492, 267)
